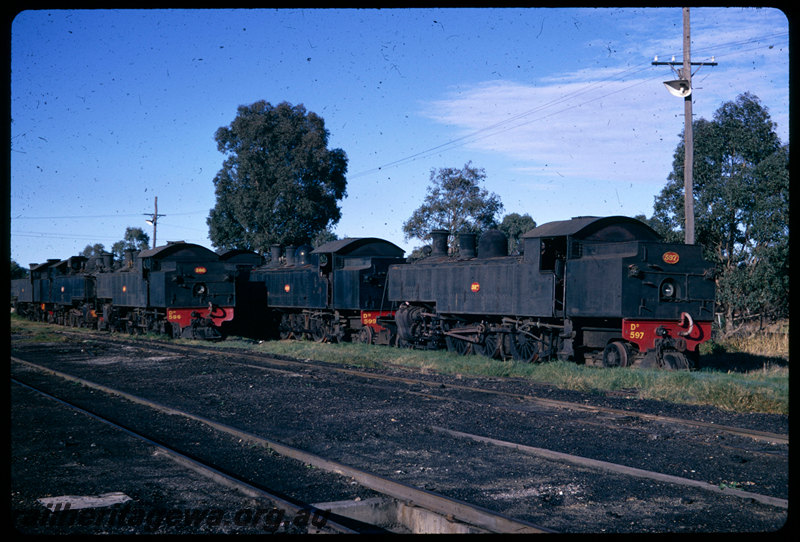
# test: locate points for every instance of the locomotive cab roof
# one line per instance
(593, 228)
(360, 246)
(179, 250)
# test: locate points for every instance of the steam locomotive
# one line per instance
(600, 290)
(334, 293)
(592, 289)
(179, 289)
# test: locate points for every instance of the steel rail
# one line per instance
(617, 468)
(198, 466)
(459, 510)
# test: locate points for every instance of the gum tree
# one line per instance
(279, 182)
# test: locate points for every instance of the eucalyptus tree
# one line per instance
(279, 182)
(741, 202)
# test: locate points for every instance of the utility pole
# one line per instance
(682, 87)
(688, 135)
(154, 221)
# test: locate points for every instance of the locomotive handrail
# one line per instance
(684, 316)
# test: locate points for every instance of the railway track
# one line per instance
(456, 516)
(754, 434)
(480, 399)
(212, 472)
(396, 490)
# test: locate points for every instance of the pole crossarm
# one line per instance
(154, 220)
(676, 63)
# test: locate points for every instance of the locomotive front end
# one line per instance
(668, 303)
(200, 297)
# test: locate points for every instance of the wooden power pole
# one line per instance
(683, 88)
(154, 221)
(688, 135)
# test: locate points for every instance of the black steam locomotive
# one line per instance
(180, 289)
(333, 293)
(582, 289)
(595, 290)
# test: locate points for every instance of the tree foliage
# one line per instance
(279, 182)
(514, 225)
(455, 202)
(135, 240)
(17, 271)
(741, 195)
(94, 250)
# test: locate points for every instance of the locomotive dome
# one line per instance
(356, 246)
(175, 247)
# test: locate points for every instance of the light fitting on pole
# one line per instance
(678, 87)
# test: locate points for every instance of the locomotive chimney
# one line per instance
(439, 242)
(290, 259)
(108, 260)
(466, 245)
(129, 254)
(275, 253)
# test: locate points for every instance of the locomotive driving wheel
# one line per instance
(364, 335)
(456, 345)
(318, 327)
(616, 354)
(285, 327)
(525, 347)
(490, 347)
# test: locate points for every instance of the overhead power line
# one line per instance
(502, 126)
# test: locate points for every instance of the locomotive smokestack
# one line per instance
(466, 245)
(290, 258)
(275, 253)
(439, 242)
(129, 255)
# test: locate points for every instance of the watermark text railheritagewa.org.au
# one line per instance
(267, 519)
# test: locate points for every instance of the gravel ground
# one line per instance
(390, 429)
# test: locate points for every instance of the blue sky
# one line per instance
(562, 108)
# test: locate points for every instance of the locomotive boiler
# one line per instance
(591, 289)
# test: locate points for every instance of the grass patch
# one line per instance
(760, 385)
(35, 331)
(763, 390)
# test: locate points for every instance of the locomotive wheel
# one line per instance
(318, 329)
(285, 327)
(615, 354)
(490, 346)
(524, 348)
(457, 346)
(364, 335)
